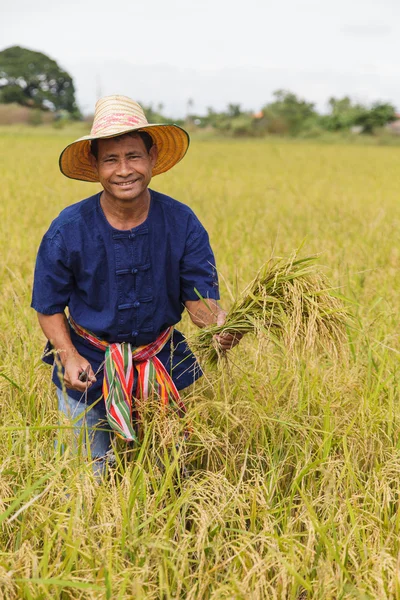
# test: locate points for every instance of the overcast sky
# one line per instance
(215, 51)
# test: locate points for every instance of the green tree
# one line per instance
(288, 113)
(33, 79)
(234, 111)
(234, 122)
(343, 114)
(377, 116)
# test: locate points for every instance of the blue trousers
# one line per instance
(93, 418)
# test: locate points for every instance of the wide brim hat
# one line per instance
(114, 116)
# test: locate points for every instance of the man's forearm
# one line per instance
(204, 312)
(56, 330)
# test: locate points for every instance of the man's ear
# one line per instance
(153, 153)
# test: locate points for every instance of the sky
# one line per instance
(215, 52)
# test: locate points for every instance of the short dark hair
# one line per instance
(144, 135)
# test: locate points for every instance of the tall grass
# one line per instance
(293, 487)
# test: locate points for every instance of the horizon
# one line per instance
(217, 53)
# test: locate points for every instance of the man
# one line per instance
(125, 262)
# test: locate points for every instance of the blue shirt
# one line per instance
(125, 286)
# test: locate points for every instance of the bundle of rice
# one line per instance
(291, 303)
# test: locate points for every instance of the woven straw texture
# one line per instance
(116, 115)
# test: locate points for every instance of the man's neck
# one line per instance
(125, 215)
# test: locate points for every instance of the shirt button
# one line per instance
(136, 304)
(132, 235)
(135, 333)
(134, 271)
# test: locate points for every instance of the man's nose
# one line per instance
(124, 168)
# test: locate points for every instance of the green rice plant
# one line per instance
(291, 303)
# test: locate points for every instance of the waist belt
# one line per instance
(120, 361)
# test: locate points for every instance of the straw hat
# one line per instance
(116, 115)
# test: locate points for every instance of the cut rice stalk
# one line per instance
(291, 303)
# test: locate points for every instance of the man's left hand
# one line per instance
(226, 340)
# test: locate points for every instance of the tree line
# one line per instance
(33, 79)
(287, 114)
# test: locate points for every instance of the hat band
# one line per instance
(116, 120)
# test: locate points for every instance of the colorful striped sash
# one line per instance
(120, 361)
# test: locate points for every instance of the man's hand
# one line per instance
(208, 312)
(76, 366)
(56, 330)
(226, 340)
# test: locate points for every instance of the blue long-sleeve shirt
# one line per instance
(125, 286)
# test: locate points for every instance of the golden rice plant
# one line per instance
(290, 301)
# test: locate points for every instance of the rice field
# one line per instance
(294, 464)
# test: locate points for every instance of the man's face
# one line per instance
(124, 167)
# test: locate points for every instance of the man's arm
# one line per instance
(208, 312)
(56, 330)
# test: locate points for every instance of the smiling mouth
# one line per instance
(126, 183)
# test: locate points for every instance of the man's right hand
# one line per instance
(55, 328)
(74, 366)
